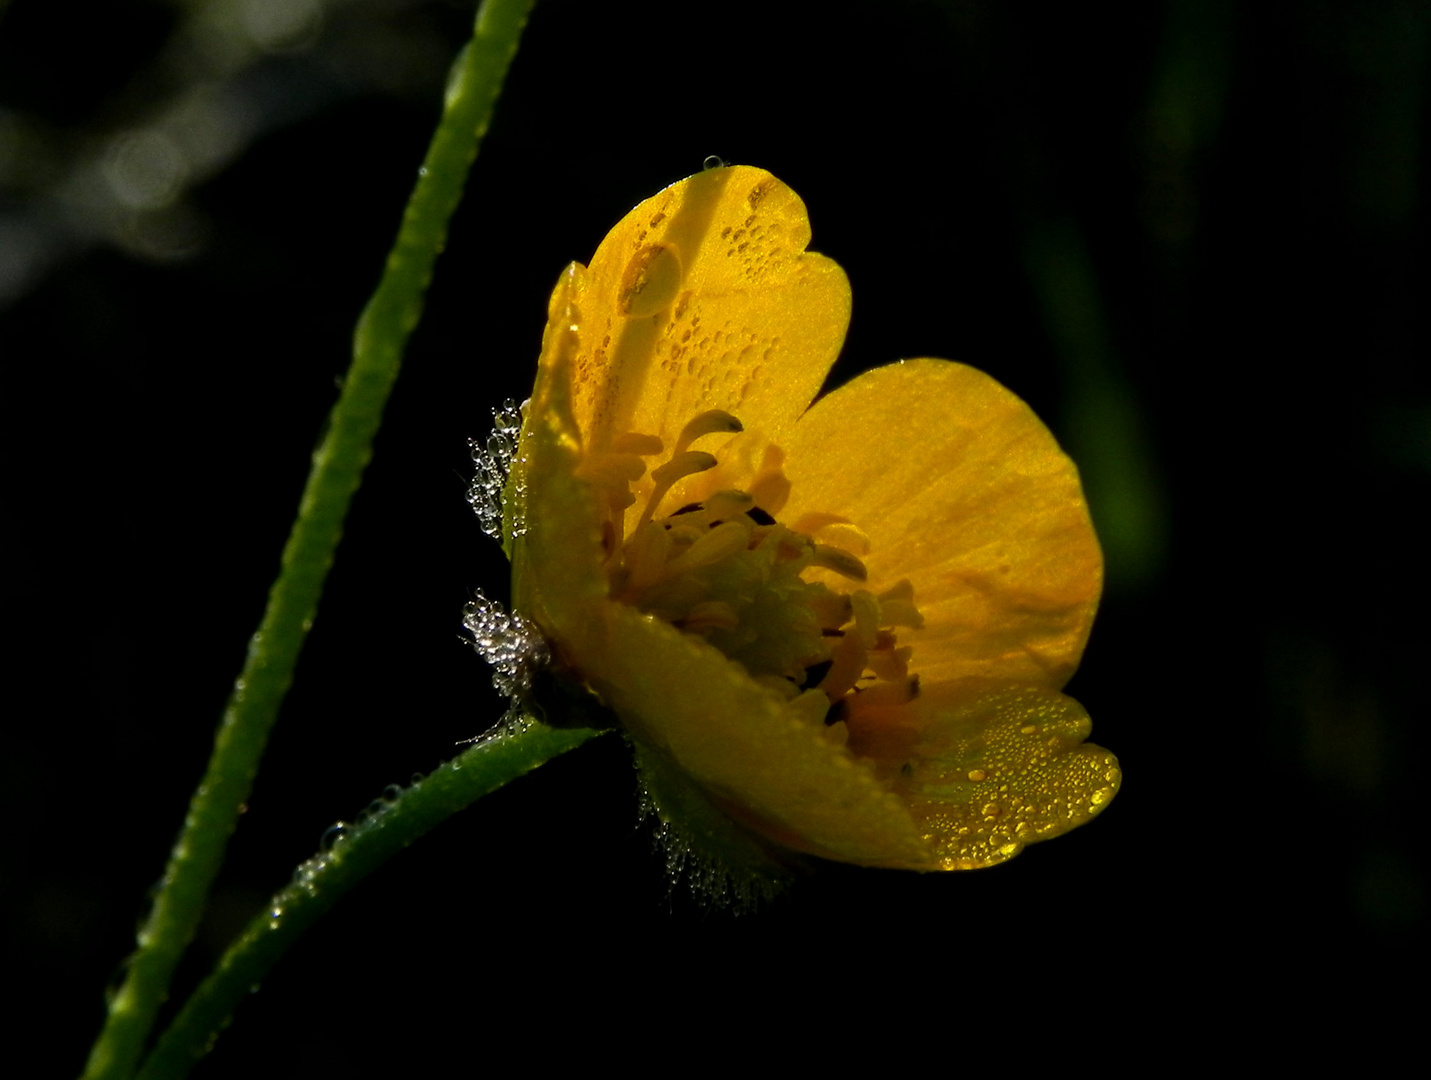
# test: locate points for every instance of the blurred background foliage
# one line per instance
(1190, 234)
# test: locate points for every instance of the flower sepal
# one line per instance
(722, 861)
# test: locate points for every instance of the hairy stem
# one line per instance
(321, 881)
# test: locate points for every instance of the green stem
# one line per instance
(324, 879)
(338, 464)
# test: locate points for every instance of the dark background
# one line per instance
(1190, 234)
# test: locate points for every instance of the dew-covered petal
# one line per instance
(986, 771)
(557, 579)
(703, 297)
(963, 491)
(751, 752)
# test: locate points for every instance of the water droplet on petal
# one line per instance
(651, 281)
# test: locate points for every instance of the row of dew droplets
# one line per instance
(708, 878)
(307, 875)
(513, 647)
(494, 465)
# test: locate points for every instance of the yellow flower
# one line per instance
(842, 627)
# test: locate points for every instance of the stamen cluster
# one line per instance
(727, 569)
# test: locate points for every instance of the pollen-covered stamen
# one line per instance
(841, 562)
(844, 535)
(770, 489)
(644, 559)
(886, 660)
(810, 524)
(849, 659)
(634, 442)
(611, 475)
(894, 692)
(728, 504)
(707, 423)
(867, 618)
(721, 542)
(897, 608)
(684, 464)
(832, 611)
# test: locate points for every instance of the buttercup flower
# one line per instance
(840, 628)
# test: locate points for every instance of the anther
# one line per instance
(832, 610)
(866, 616)
(727, 504)
(683, 464)
(646, 555)
(841, 562)
(900, 590)
(633, 442)
(686, 463)
(771, 487)
(844, 535)
(612, 470)
(884, 694)
(725, 539)
(811, 523)
(887, 662)
(900, 613)
(896, 606)
(707, 423)
(849, 664)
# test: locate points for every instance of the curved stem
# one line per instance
(338, 464)
(321, 881)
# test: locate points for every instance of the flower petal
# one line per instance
(986, 771)
(773, 771)
(703, 297)
(556, 550)
(962, 490)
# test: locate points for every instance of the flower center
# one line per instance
(726, 569)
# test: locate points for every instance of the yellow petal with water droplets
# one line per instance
(752, 753)
(703, 297)
(987, 771)
(556, 563)
(962, 490)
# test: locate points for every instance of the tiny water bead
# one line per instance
(493, 460)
